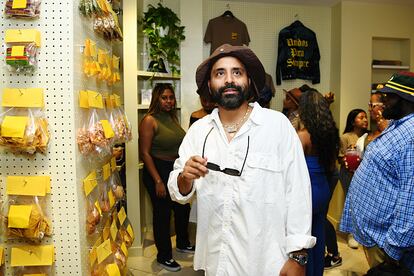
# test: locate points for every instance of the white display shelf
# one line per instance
(156, 75)
(391, 67)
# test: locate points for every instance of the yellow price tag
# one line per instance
(103, 251)
(19, 216)
(122, 216)
(108, 131)
(19, 4)
(14, 126)
(114, 230)
(113, 270)
(28, 185)
(83, 99)
(124, 249)
(89, 183)
(98, 207)
(95, 99)
(130, 231)
(42, 255)
(111, 198)
(21, 97)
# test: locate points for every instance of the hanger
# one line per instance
(228, 12)
(297, 21)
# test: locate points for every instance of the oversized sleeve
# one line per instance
(298, 194)
(400, 235)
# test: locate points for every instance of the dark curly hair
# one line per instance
(315, 115)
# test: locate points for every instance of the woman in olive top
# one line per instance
(160, 136)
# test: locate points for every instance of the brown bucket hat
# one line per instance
(253, 66)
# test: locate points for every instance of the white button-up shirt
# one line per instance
(247, 225)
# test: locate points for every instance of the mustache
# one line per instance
(230, 86)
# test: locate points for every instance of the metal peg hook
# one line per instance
(228, 6)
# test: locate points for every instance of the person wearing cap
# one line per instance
(379, 206)
(247, 166)
(291, 105)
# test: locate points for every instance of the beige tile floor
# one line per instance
(353, 262)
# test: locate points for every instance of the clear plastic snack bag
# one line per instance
(25, 217)
(24, 130)
(21, 49)
(121, 125)
(94, 138)
(103, 259)
(116, 186)
(93, 209)
(22, 9)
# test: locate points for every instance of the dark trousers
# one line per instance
(330, 233)
(161, 208)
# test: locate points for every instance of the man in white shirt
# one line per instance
(247, 166)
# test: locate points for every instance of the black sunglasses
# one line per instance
(216, 167)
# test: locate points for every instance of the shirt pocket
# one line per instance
(263, 178)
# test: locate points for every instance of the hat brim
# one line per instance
(387, 89)
(254, 67)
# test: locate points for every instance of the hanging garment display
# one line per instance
(226, 29)
(298, 54)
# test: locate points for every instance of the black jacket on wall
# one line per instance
(298, 54)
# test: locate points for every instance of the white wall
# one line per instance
(264, 21)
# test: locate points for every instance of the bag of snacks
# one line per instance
(116, 186)
(21, 50)
(24, 130)
(24, 9)
(119, 121)
(127, 232)
(93, 209)
(104, 259)
(94, 138)
(24, 214)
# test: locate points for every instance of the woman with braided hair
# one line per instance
(320, 140)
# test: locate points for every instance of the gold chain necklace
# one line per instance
(233, 128)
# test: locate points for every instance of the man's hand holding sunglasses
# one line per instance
(194, 168)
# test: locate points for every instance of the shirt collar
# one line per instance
(395, 123)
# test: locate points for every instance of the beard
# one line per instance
(393, 112)
(230, 101)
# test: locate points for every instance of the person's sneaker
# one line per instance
(170, 265)
(188, 249)
(332, 261)
(352, 243)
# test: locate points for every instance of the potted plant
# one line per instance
(162, 28)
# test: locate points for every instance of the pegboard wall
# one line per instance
(55, 74)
